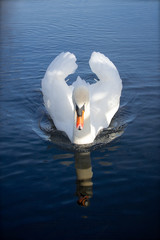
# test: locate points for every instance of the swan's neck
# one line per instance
(83, 136)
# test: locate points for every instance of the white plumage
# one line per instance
(101, 99)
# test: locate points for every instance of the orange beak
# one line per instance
(80, 121)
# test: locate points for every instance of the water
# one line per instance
(42, 174)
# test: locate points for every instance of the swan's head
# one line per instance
(80, 99)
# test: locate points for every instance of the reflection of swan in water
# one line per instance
(84, 178)
(84, 174)
(82, 109)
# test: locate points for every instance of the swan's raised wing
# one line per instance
(57, 94)
(105, 93)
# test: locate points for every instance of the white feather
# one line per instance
(102, 97)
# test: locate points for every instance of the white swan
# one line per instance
(82, 109)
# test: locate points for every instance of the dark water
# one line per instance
(42, 175)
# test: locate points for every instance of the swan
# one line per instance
(81, 110)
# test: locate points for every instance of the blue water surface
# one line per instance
(42, 175)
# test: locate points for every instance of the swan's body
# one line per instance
(97, 103)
